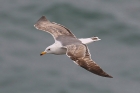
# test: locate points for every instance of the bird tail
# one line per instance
(89, 40)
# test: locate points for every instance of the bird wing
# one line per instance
(79, 53)
(53, 28)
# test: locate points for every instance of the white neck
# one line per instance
(57, 48)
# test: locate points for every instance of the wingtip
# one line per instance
(109, 76)
(43, 18)
(103, 74)
(41, 21)
(106, 75)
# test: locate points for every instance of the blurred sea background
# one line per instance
(23, 70)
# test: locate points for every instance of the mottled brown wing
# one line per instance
(53, 28)
(80, 55)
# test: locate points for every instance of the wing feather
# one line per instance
(80, 55)
(53, 28)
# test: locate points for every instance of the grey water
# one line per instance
(115, 22)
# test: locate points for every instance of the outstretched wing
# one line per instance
(80, 55)
(51, 27)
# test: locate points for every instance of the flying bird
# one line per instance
(67, 43)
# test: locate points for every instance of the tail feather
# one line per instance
(89, 40)
(95, 38)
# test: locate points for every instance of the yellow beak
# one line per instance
(42, 53)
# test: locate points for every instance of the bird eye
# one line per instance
(49, 49)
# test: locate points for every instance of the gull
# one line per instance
(67, 43)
